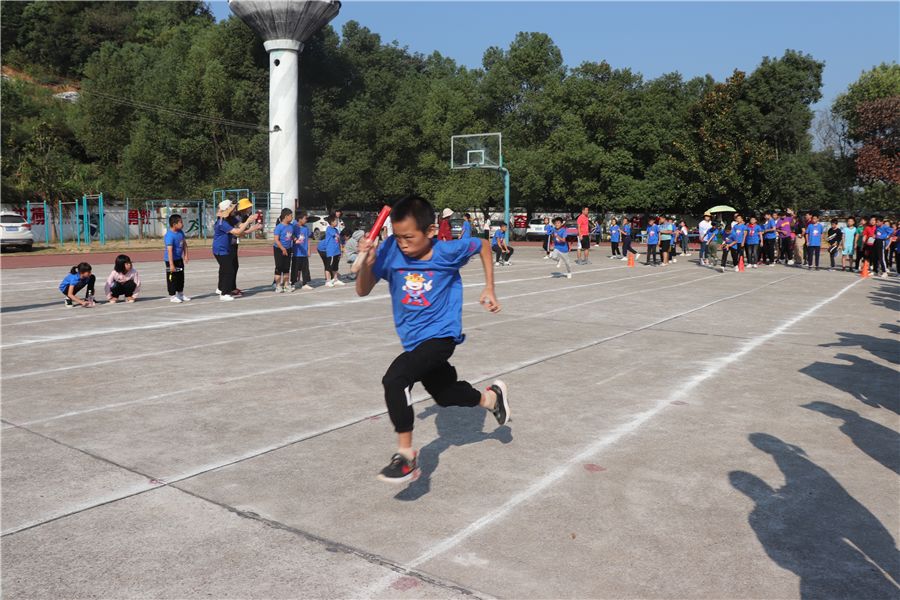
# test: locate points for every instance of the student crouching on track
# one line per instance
(79, 277)
(123, 281)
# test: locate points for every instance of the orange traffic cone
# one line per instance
(630, 259)
(741, 264)
(865, 269)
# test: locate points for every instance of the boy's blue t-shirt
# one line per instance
(466, 230)
(814, 234)
(301, 239)
(753, 235)
(176, 240)
(222, 239)
(426, 295)
(626, 229)
(70, 279)
(653, 234)
(285, 234)
(735, 237)
(738, 231)
(771, 224)
(560, 246)
(614, 233)
(883, 232)
(498, 235)
(331, 244)
(711, 233)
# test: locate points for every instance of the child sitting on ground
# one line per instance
(123, 281)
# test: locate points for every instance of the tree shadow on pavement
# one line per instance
(814, 528)
(456, 426)
(869, 382)
(877, 441)
(884, 348)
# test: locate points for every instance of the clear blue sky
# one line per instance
(693, 38)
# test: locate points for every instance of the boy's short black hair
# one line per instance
(174, 219)
(504, 224)
(331, 219)
(285, 212)
(834, 221)
(557, 219)
(301, 214)
(416, 207)
(467, 215)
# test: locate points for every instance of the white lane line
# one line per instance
(291, 366)
(239, 313)
(352, 421)
(712, 369)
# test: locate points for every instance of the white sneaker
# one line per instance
(329, 283)
(883, 275)
(736, 269)
(546, 256)
(637, 257)
(497, 264)
(289, 288)
(226, 298)
(558, 264)
(175, 300)
(722, 268)
(674, 260)
(338, 282)
(790, 262)
(307, 287)
(507, 263)
(183, 297)
(218, 292)
(278, 290)
(568, 276)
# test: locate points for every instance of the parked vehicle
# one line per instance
(15, 231)
(317, 225)
(535, 231)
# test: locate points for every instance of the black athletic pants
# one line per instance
(787, 249)
(125, 288)
(877, 256)
(226, 272)
(504, 256)
(300, 266)
(427, 363)
(734, 255)
(834, 251)
(175, 277)
(769, 251)
(546, 245)
(626, 246)
(331, 263)
(651, 252)
(812, 254)
(88, 283)
(615, 248)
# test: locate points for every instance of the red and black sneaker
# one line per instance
(399, 470)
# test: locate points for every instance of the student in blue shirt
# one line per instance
(666, 241)
(466, 227)
(652, 242)
(501, 249)
(175, 257)
(770, 236)
(732, 245)
(626, 241)
(79, 277)
(814, 233)
(548, 237)
(753, 238)
(224, 246)
(427, 297)
(300, 263)
(615, 233)
(283, 250)
(330, 252)
(561, 246)
(883, 233)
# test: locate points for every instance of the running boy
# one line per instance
(300, 264)
(426, 293)
(175, 257)
(561, 246)
(283, 248)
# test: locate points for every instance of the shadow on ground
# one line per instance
(814, 528)
(887, 294)
(877, 441)
(867, 381)
(885, 348)
(456, 426)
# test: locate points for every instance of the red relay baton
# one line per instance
(372, 236)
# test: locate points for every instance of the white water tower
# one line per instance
(284, 25)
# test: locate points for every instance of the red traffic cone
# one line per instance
(741, 264)
(865, 269)
(630, 259)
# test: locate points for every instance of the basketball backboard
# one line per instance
(476, 150)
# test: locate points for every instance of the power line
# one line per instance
(178, 112)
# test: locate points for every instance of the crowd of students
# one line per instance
(778, 237)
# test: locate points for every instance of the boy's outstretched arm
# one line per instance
(488, 299)
(365, 279)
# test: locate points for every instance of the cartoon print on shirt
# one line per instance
(415, 289)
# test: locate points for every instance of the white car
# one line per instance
(317, 225)
(535, 230)
(15, 231)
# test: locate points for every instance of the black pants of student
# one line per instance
(812, 255)
(226, 273)
(125, 288)
(300, 267)
(331, 263)
(834, 252)
(88, 283)
(787, 250)
(651, 253)
(546, 245)
(751, 254)
(500, 255)
(862, 254)
(665, 247)
(282, 262)
(877, 257)
(615, 248)
(235, 265)
(175, 277)
(769, 251)
(735, 253)
(626, 246)
(427, 363)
